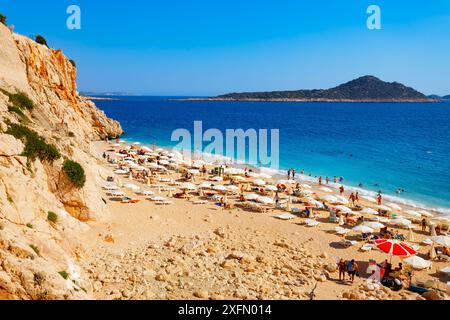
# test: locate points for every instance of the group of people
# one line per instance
(349, 267)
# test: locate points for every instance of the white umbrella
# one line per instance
(271, 188)
(147, 193)
(369, 211)
(341, 200)
(132, 186)
(217, 179)
(425, 214)
(117, 194)
(239, 178)
(401, 221)
(251, 196)
(413, 213)
(259, 182)
(417, 262)
(265, 176)
(120, 171)
(344, 209)
(370, 199)
(325, 189)
(158, 199)
(306, 186)
(445, 270)
(394, 206)
(205, 185)
(110, 187)
(220, 188)
(233, 188)
(442, 240)
(188, 186)
(384, 208)
(363, 229)
(194, 172)
(374, 224)
(265, 200)
(253, 175)
(329, 198)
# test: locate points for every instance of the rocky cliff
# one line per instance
(38, 257)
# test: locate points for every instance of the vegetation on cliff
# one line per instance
(75, 173)
(2, 19)
(35, 146)
(367, 88)
(41, 40)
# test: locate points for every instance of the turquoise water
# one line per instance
(383, 146)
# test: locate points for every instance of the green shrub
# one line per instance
(35, 146)
(35, 249)
(73, 63)
(64, 274)
(52, 217)
(29, 225)
(2, 19)
(23, 118)
(75, 173)
(41, 40)
(19, 100)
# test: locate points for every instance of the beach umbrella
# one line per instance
(217, 179)
(259, 182)
(426, 214)
(188, 186)
(251, 196)
(265, 200)
(286, 182)
(158, 199)
(164, 162)
(132, 186)
(306, 186)
(369, 211)
(329, 198)
(239, 179)
(442, 240)
(395, 247)
(433, 230)
(117, 193)
(220, 188)
(341, 200)
(325, 189)
(445, 270)
(384, 208)
(253, 175)
(265, 176)
(194, 172)
(341, 230)
(120, 171)
(110, 187)
(271, 188)
(370, 199)
(394, 206)
(233, 188)
(413, 213)
(417, 262)
(401, 221)
(205, 185)
(147, 193)
(374, 224)
(363, 229)
(344, 209)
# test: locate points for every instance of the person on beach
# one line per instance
(356, 197)
(352, 199)
(353, 269)
(446, 251)
(341, 190)
(293, 174)
(424, 225)
(379, 199)
(302, 172)
(320, 180)
(335, 179)
(342, 269)
(289, 174)
(327, 180)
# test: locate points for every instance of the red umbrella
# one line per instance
(395, 247)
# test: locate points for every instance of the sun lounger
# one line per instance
(163, 203)
(285, 216)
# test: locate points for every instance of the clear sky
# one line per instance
(206, 47)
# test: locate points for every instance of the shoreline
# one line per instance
(313, 100)
(410, 204)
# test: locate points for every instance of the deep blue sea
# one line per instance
(383, 146)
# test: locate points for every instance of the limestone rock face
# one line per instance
(38, 258)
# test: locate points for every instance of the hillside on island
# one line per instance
(364, 89)
(49, 173)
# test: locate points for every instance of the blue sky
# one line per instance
(199, 47)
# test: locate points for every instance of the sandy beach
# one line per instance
(202, 251)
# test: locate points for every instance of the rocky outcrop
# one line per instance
(38, 258)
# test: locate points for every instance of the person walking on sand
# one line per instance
(424, 225)
(320, 180)
(289, 174)
(293, 174)
(327, 180)
(379, 199)
(341, 190)
(335, 179)
(352, 199)
(353, 269)
(356, 197)
(342, 269)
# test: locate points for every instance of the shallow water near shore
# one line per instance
(382, 146)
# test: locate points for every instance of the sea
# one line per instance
(387, 147)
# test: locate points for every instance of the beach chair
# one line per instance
(366, 248)
(200, 202)
(164, 203)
